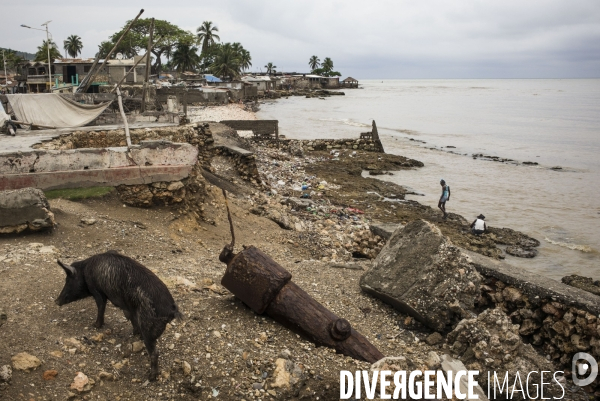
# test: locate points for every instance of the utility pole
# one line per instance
(49, 61)
(5, 75)
(48, 48)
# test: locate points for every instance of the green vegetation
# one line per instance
(136, 40)
(42, 52)
(185, 57)
(73, 45)
(270, 68)
(226, 60)
(78, 193)
(13, 59)
(206, 35)
(326, 68)
(314, 62)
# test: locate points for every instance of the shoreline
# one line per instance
(325, 241)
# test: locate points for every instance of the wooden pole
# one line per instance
(92, 74)
(120, 100)
(147, 77)
(131, 70)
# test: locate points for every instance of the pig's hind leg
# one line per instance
(100, 299)
(129, 316)
(153, 353)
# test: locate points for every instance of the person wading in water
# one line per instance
(444, 198)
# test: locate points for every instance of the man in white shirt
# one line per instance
(478, 227)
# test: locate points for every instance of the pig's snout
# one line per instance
(57, 302)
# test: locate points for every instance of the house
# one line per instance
(350, 83)
(330, 82)
(117, 69)
(262, 83)
(33, 77)
(73, 70)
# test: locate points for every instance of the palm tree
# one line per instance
(270, 68)
(327, 64)
(245, 59)
(206, 35)
(226, 63)
(42, 52)
(73, 45)
(314, 63)
(185, 57)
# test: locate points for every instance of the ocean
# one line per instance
(443, 123)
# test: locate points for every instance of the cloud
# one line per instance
(379, 39)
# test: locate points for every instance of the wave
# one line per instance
(575, 247)
(346, 122)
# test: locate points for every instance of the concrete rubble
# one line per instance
(24, 209)
(491, 343)
(422, 274)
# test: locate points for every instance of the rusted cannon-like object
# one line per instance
(266, 287)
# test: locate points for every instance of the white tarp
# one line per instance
(3, 116)
(53, 110)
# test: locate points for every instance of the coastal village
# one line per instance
(288, 260)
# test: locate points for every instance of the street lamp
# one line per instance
(48, 47)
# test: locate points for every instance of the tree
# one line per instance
(42, 52)
(73, 45)
(136, 40)
(270, 68)
(206, 36)
(227, 62)
(12, 60)
(327, 64)
(185, 57)
(244, 55)
(314, 63)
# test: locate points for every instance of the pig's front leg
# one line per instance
(101, 304)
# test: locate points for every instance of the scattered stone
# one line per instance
(50, 374)
(521, 252)
(583, 283)
(88, 221)
(434, 338)
(285, 354)
(286, 374)
(81, 383)
(186, 367)
(422, 274)
(26, 362)
(137, 346)
(433, 360)
(106, 376)
(5, 374)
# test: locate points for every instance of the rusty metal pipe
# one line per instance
(266, 287)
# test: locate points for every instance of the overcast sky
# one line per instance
(375, 39)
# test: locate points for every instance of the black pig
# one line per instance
(144, 299)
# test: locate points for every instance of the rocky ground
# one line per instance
(312, 215)
(218, 113)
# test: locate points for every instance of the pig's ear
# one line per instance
(70, 270)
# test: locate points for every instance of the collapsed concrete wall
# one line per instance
(294, 145)
(192, 96)
(558, 320)
(260, 128)
(148, 162)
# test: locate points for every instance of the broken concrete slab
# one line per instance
(24, 209)
(450, 364)
(421, 273)
(148, 162)
(384, 230)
